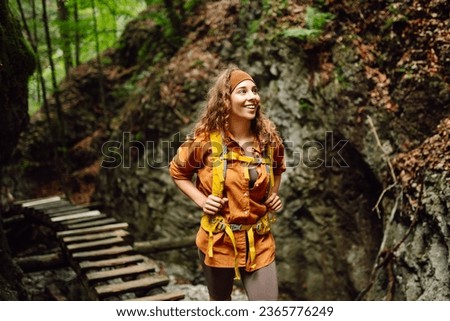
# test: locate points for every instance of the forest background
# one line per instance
(372, 224)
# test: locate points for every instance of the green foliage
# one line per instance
(112, 17)
(305, 105)
(253, 28)
(315, 22)
(190, 5)
(257, 25)
(162, 19)
(266, 5)
(396, 15)
(302, 33)
(320, 2)
(340, 77)
(170, 15)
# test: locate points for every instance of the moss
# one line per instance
(16, 56)
(305, 105)
(315, 23)
(341, 77)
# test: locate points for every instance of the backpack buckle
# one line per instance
(235, 227)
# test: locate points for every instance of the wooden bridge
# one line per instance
(100, 250)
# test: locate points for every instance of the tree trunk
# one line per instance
(16, 65)
(60, 126)
(65, 36)
(99, 63)
(77, 33)
(41, 262)
(33, 38)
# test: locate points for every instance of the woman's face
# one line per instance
(244, 101)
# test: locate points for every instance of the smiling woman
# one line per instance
(244, 101)
(238, 158)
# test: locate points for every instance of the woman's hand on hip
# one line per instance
(273, 203)
(214, 204)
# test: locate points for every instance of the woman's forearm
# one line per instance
(276, 184)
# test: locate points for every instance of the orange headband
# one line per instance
(238, 76)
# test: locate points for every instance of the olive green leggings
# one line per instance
(260, 285)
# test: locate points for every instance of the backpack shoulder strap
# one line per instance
(218, 163)
(270, 155)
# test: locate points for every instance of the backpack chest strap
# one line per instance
(233, 156)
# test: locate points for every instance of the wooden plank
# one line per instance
(97, 229)
(109, 220)
(173, 296)
(27, 200)
(130, 286)
(41, 262)
(74, 216)
(56, 204)
(84, 219)
(131, 270)
(110, 252)
(15, 219)
(74, 208)
(98, 244)
(73, 211)
(60, 211)
(38, 201)
(117, 261)
(95, 236)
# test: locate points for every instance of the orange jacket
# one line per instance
(244, 206)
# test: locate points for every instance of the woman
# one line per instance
(238, 158)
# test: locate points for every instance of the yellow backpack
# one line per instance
(216, 223)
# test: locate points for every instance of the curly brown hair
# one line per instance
(216, 113)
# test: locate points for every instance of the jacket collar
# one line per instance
(229, 141)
